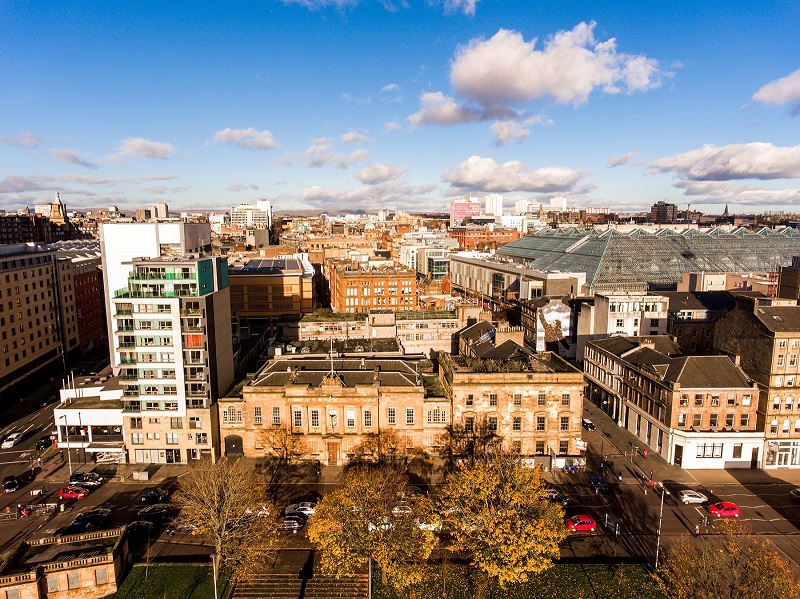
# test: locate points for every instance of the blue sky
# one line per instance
(402, 104)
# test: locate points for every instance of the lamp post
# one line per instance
(214, 567)
(69, 455)
(660, 516)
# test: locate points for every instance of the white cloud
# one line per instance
(438, 109)
(320, 4)
(138, 147)
(725, 192)
(506, 69)
(22, 139)
(391, 87)
(163, 189)
(246, 138)
(620, 160)
(242, 186)
(785, 90)
(353, 137)
(453, 6)
(392, 194)
(391, 126)
(71, 157)
(512, 131)
(321, 153)
(22, 184)
(348, 99)
(758, 160)
(379, 173)
(484, 174)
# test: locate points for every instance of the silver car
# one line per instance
(688, 496)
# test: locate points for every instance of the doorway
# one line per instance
(333, 454)
(754, 458)
(679, 455)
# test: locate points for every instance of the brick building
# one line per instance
(357, 288)
(483, 238)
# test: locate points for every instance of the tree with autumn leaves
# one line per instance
(732, 564)
(496, 515)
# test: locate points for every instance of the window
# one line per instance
(493, 424)
(516, 446)
(565, 399)
(563, 447)
(172, 438)
(654, 322)
(793, 360)
(137, 438)
(201, 438)
(709, 450)
(744, 420)
(73, 580)
(52, 584)
(540, 448)
(729, 420)
(194, 422)
(101, 576)
(517, 423)
(314, 417)
(786, 426)
(712, 420)
(540, 423)
(620, 323)
(737, 451)
(153, 436)
(469, 400)
(697, 420)
(136, 423)
(789, 380)
(773, 426)
(469, 424)
(493, 399)
(698, 399)
(276, 416)
(257, 415)
(541, 399)
(715, 400)
(797, 426)
(367, 419)
(409, 415)
(682, 419)
(350, 418)
(776, 404)
(780, 359)
(391, 416)
(684, 400)
(517, 399)
(176, 422)
(564, 423)
(437, 415)
(298, 418)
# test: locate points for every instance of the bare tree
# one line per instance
(226, 502)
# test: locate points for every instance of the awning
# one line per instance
(97, 447)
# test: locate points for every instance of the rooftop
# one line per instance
(347, 372)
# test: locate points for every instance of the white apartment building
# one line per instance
(253, 215)
(494, 204)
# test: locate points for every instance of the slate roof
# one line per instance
(706, 372)
(780, 319)
(620, 345)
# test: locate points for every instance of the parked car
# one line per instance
(154, 513)
(139, 528)
(86, 479)
(402, 511)
(795, 494)
(261, 510)
(581, 522)
(154, 496)
(307, 508)
(73, 492)
(588, 424)
(293, 523)
(181, 529)
(99, 516)
(43, 443)
(10, 484)
(688, 496)
(724, 509)
(11, 440)
(75, 528)
(599, 484)
(554, 496)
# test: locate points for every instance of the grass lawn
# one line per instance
(170, 581)
(560, 581)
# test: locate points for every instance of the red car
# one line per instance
(73, 493)
(581, 522)
(724, 509)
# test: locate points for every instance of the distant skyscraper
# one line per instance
(253, 215)
(153, 212)
(162, 210)
(462, 208)
(494, 204)
(521, 206)
(663, 213)
(558, 204)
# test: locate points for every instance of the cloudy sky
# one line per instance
(401, 104)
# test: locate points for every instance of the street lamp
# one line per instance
(660, 516)
(214, 567)
(69, 455)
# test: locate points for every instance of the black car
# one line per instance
(99, 516)
(155, 496)
(154, 513)
(293, 523)
(139, 528)
(75, 528)
(86, 479)
(10, 484)
(43, 443)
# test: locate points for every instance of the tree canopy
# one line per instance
(731, 565)
(358, 521)
(496, 514)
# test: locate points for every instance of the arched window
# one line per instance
(773, 426)
(789, 404)
(786, 426)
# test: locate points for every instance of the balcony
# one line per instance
(124, 312)
(128, 361)
(161, 276)
(191, 312)
(126, 345)
(127, 328)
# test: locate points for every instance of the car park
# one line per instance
(581, 522)
(73, 492)
(401, 511)
(724, 509)
(588, 424)
(75, 528)
(154, 496)
(262, 511)
(11, 440)
(43, 443)
(181, 529)
(688, 496)
(10, 484)
(598, 484)
(154, 513)
(86, 479)
(307, 508)
(98, 516)
(384, 524)
(293, 523)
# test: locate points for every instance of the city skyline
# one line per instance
(366, 104)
